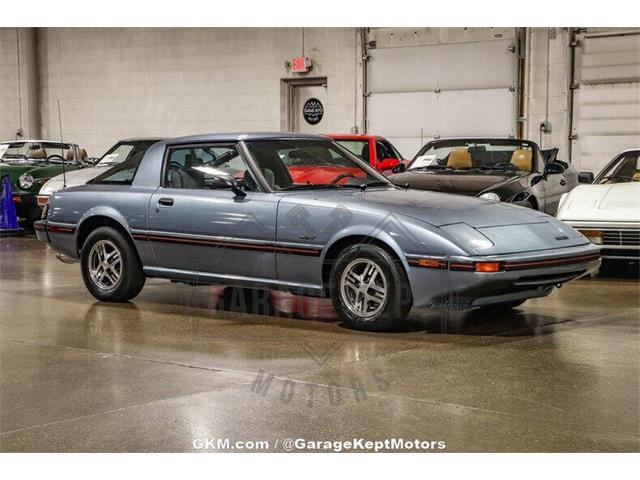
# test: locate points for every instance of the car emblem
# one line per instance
(562, 237)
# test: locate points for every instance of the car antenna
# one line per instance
(64, 173)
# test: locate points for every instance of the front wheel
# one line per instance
(111, 269)
(369, 288)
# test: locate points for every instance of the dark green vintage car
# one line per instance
(29, 164)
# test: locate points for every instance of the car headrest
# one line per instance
(38, 153)
(269, 177)
(459, 158)
(191, 160)
(522, 158)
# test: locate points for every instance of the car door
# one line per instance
(555, 186)
(197, 223)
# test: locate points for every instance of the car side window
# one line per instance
(207, 167)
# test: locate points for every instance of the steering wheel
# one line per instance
(55, 157)
(341, 176)
(507, 165)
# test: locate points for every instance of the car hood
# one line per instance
(73, 179)
(462, 183)
(616, 202)
(508, 228)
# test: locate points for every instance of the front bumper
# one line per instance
(618, 240)
(454, 283)
(26, 205)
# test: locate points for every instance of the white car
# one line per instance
(608, 210)
(128, 149)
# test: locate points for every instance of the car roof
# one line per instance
(142, 139)
(354, 136)
(29, 140)
(235, 137)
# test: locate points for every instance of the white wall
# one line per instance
(548, 80)
(19, 91)
(118, 83)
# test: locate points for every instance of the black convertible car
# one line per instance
(500, 169)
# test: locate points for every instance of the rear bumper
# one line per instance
(455, 284)
(60, 236)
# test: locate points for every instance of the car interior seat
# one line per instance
(459, 158)
(522, 158)
(365, 152)
(38, 153)
(250, 182)
(187, 176)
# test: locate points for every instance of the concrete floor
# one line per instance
(559, 374)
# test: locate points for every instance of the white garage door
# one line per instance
(607, 101)
(418, 92)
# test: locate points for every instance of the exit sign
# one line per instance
(300, 64)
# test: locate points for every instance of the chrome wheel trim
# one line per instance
(363, 287)
(105, 265)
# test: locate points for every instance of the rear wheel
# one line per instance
(111, 269)
(369, 288)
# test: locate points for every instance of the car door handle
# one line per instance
(563, 182)
(166, 202)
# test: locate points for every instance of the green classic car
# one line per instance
(29, 164)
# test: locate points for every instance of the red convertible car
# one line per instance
(309, 166)
(375, 150)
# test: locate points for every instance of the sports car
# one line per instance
(224, 209)
(30, 164)
(608, 211)
(120, 152)
(500, 169)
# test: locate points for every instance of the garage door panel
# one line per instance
(607, 103)
(447, 114)
(596, 150)
(447, 67)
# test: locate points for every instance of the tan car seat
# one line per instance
(459, 158)
(636, 176)
(38, 153)
(522, 158)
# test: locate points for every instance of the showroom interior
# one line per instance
(184, 362)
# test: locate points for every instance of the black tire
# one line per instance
(502, 307)
(132, 277)
(397, 301)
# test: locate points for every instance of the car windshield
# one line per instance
(624, 169)
(10, 151)
(33, 152)
(457, 156)
(359, 148)
(292, 164)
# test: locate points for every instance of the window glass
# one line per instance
(507, 156)
(625, 169)
(303, 164)
(117, 154)
(207, 167)
(357, 147)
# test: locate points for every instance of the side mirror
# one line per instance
(231, 183)
(399, 168)
(387, 164)
(585, 177)
(553, 168)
